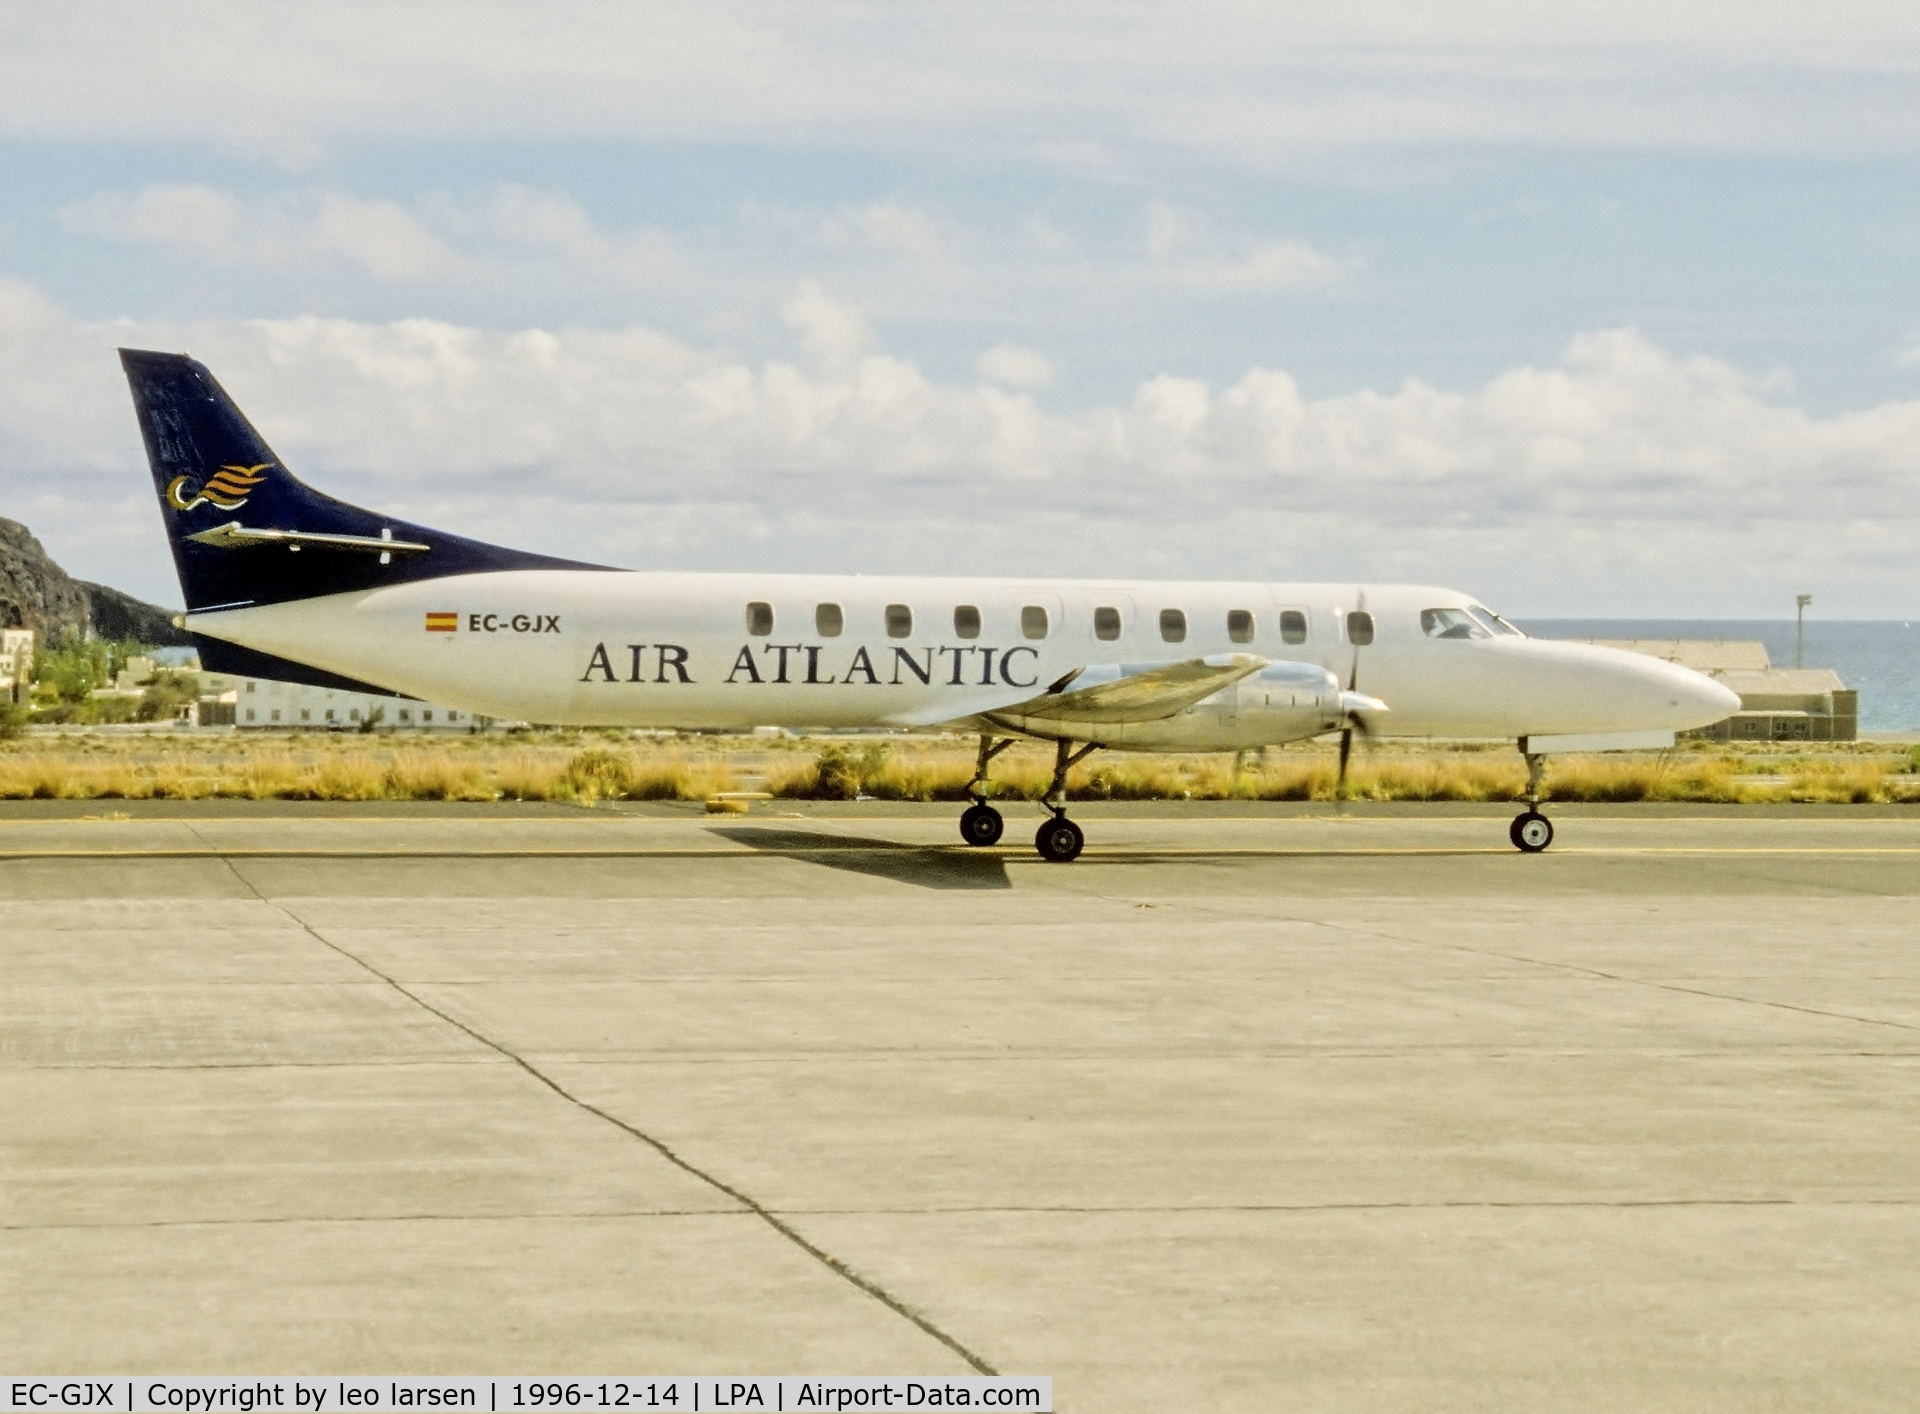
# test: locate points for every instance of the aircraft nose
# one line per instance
(1700, 700)
(1716, 698)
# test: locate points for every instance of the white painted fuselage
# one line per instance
(738, 650)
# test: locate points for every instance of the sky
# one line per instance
(1588, 314)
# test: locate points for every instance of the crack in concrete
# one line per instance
(751, 1204)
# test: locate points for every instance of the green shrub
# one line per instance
(846, 770)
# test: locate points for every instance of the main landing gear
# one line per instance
(981, 824)
(1531, 831)
(1059, 839)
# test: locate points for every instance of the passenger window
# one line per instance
(759, 619)
(1293, 626)
(1240, 625)
(828, 620)
(1450, 623)
(1033, 622)
(1360, 628)
(1173, 625)
(899, 621)
(1106, 624)
(966, 622)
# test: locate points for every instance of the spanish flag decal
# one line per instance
(443, 623)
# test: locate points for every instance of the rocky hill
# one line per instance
(36, 593)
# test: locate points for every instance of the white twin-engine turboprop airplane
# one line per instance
(284, 582)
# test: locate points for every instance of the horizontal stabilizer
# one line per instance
(1137, 692)
(235, 536)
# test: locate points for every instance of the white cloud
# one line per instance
(834, 334)
(214, 226)
(196, 220)
(555, 223)
(1285, 265)
(1188, 251)
(1015, 367)
(1169, 228)
(1621, 479)
(1084, 84)
(380, 236)
(516, 225)
(887, 226)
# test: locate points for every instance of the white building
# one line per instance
(16, 663)
(265, 704)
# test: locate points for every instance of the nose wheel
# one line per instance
(1059, 841)
(1530, 832)
(981, 825)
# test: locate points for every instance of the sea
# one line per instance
(1879, 658)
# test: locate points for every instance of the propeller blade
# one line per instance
(1346, 753)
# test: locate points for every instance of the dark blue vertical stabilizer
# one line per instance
(245, 531)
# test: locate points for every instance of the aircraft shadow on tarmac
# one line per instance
(884, 859)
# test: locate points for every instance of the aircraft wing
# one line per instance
(1135, 692)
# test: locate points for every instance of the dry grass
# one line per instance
(583, 768)
(428, 772)
(876, 772)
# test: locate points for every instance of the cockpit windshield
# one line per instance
(1493, 623)
(1451, 623)
(1470, 622)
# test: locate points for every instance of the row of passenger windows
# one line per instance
(829, 621)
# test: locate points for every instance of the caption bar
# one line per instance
(351, 1394)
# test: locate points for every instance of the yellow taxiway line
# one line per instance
(955, 851)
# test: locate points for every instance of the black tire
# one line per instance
(981, 825)
(1059, 841)
(1530, 832)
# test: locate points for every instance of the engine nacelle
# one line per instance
(1280, 703)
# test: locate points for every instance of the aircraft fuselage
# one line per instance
(726, 650)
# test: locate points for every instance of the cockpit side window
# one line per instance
(1450, 623)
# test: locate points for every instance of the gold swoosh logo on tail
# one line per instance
(228, 488)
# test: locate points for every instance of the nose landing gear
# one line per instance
(1531, 831)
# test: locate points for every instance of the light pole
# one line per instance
(1800, 602)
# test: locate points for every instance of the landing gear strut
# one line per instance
(981, 824)
(1060, 840)
(1531, 831)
